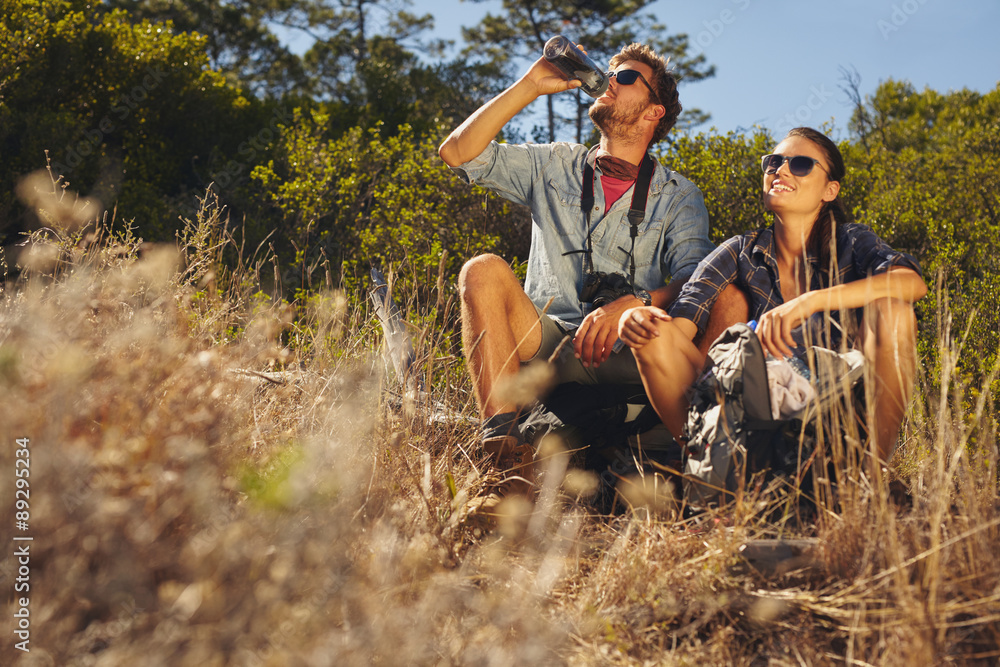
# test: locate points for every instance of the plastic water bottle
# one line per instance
(575, 64)
(800, 366)
(797, 363)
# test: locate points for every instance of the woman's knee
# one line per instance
(733, 305)
(894, 321)
(670, 346)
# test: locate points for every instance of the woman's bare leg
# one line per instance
(731, 307)
(890, 346)
(668, 365)
(669, 362)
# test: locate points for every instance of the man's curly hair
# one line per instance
(663, 82)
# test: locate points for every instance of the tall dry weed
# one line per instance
(221, 477)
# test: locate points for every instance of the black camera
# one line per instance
(601, 288)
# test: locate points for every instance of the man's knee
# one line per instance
(492, 298)
(484, 274)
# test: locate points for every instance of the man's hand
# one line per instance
(549, 79)
(597, 335)
(638, 326)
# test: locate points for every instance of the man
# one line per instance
(503, 325)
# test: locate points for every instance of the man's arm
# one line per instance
(595, 339)
(472, 137)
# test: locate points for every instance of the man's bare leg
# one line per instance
(500, 328)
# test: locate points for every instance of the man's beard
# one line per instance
(618, 121)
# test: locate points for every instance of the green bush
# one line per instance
(128, 113)
(727, 169)
(366, 199)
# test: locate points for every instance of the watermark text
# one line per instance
(22, 544)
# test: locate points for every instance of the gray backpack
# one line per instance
(730, 431)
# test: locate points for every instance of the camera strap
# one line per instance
(636, 211)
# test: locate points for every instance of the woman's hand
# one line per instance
(775, 326)
(638, 326)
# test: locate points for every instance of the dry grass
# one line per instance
(219, 479)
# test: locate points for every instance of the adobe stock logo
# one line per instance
(716, 26)
(235, 171)
(900, 15)
(818, 97)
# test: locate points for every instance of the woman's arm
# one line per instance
(713, 275)
(775, 326)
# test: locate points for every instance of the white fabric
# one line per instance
(790, 392)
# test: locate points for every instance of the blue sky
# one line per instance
(779, 61)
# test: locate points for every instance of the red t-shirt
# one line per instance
(613, 190)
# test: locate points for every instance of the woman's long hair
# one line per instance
(822, 238)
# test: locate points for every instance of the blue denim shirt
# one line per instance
(548, 178)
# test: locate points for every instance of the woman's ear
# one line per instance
(832, 190)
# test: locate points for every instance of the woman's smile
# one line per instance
(779, 186)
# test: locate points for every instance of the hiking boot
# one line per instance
(513, 476)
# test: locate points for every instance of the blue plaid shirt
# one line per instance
(749, 262)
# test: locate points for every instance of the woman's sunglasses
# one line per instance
(799, 165)
(626, 77)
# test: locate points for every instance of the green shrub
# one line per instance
(366, 199)
(128, 113)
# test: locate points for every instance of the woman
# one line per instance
(810, 267)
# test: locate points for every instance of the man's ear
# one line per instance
(656, 112)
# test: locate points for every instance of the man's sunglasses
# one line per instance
(799, 165)
(626, 77)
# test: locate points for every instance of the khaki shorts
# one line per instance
(620, 367)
